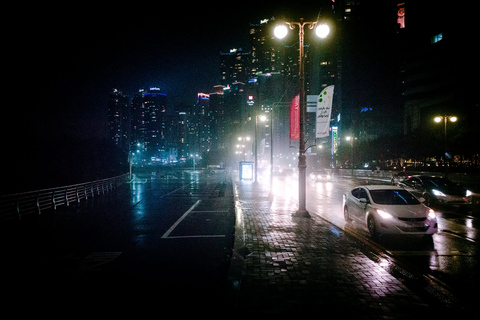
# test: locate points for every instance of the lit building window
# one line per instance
(437, 38)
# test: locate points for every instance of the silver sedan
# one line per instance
(388, 210)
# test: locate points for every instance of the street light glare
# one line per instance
(280, 31)
(322, 30)
(453, 119)
(437, 119)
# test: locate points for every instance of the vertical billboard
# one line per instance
(324, 111)
(295, 118)
(334, 140)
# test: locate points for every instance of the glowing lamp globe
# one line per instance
(322, 30)
(280, 31)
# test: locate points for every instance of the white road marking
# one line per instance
(197, 236)
(166, 234)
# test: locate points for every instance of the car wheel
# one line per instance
(372, 226)
(346, 215)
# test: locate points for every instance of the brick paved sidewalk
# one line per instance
(308, 265)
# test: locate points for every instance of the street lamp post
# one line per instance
(270, 195)
(349, 138)
(445, 118)
(280, 32)
(262, 118)
(193, 156)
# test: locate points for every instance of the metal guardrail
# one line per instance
(16, 206)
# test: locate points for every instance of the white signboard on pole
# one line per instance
(324, 111)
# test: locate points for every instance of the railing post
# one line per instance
(18, 208)
(53, 200)
(66, 197)
(38, 204)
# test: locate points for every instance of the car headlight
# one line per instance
(384, 214)
(469, 193)
(438, 193)
(431, 214)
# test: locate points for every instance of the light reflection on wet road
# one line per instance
(451, 256)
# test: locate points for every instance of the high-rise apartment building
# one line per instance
(118, 119)
(266, 57)
(234, 66)
(149, 123)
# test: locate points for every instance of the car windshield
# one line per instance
(444, 185)
(393, 197)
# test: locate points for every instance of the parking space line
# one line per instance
(166, 234)
(198, 236)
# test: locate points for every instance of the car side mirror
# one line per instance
(421, 199)
(363, 200)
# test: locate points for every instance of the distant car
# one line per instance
(437, 190)
(399, 177)
(388, 210)
(215, 168)
(287, 173)
(320, 175)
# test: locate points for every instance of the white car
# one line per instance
(388, 210)
(320, 175)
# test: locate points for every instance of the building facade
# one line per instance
(119, 120)
(234, 66)
(151, 132)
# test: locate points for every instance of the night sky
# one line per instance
(63, 61)
(78, 55)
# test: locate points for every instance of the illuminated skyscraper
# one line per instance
(235, 66)
(118, 119)
(149, 122)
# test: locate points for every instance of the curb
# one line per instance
(239, 252)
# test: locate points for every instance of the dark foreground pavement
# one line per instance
(307, 266)
(155, 245)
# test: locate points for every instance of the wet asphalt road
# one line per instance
(165, 243)
(451, 257)
(155, 244)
